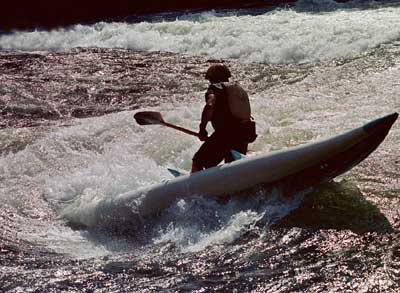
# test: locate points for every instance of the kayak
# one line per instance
(293, 169)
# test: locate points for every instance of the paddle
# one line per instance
(150, 117)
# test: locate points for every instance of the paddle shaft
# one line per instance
(187, 131)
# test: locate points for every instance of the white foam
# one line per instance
(63, 240)
(282, 36)
(131, 157)
(75, 167)
(196, 223)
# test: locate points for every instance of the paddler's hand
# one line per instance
(203, 135)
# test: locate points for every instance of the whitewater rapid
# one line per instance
(75, 167)
(313, 71)
(277, 36)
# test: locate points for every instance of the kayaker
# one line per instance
(228, 108)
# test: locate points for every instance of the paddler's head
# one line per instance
(218, 73)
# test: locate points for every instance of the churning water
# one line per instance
(347, 58)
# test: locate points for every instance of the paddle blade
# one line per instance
(148, 117)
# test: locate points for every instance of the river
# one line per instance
(68, 140)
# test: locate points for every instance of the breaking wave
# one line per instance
(279, 36)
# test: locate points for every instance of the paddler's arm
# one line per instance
(206, 116)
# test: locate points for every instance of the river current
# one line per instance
(68, 140)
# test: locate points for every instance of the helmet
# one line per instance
(218, 73)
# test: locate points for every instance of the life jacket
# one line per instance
(232, 113)
(238, 101)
